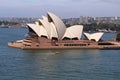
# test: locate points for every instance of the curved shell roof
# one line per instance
(74, 31)
(53, 27)
(95, 36)
(60, 26)
(50, 28)
(45, 18)
(38, 29)
(53, 31)
(46, 25)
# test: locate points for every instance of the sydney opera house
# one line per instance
(51, 33)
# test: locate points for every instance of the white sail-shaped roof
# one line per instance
(52, 27)
(45, 18)
(60, 26)
(53, 31)
(95, 36)
(46, 25)
(74, 32)
(87, 35)
(38, 29)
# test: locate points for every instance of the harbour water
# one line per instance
(17, 64)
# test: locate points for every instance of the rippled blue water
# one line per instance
(17, 64)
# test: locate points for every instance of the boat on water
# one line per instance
(51, 33)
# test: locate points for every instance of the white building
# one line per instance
(53, 27)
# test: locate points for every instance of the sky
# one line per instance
(62, 8)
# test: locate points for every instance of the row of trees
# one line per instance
(8, 23)
(95, 26)
(107, 26)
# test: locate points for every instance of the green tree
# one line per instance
(118, 37)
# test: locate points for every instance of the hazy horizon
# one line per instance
(62, 8)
